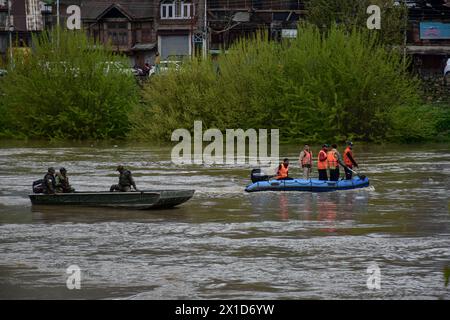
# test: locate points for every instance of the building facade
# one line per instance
(228, 20)
(428, 38)
(182, 28)
(3, 28)
(140, 28)
(26, 18)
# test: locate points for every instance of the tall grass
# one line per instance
(318, 87)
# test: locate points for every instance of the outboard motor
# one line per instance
(257, 176)
(38, 186)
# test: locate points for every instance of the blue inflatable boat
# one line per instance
(311, 185)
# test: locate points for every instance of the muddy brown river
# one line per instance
(224, 243)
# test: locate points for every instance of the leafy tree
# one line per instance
(322, 86)
(68, 88)
(353, 14)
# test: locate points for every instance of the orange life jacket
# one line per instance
(332, 160)
(307, 158)
(283, 172)
(322, 165)
(347, 160)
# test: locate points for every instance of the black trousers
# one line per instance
(118, 187)
(348, 174)
(323, 174)
(334, 174)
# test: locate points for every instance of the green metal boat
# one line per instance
(140, 200)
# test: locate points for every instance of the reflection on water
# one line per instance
(225, 243)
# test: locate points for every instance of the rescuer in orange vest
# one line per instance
(283, 170)
(305, 161)
(322, 162)
(349, 161)
(334, 160)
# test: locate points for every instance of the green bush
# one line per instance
(420, 123)
(353, 14)
(318, 87)
(68, 88)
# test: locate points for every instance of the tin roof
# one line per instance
(144, 46)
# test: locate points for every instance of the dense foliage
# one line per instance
(353, 15)
(318, 87)
(322, 86)
(67, 87)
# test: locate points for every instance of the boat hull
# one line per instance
(311, 185)
(145, 200)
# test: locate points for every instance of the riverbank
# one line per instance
(332, 86)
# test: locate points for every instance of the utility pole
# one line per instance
(205, 32)
(10, 31)
(57, 13)
(405, 34)
(57, 23)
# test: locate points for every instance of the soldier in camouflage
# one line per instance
(62, 182)
(126, 181)
(49, 185)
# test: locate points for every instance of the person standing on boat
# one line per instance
(349, 161)
(49, 181)
(283, 170)
(126, 181)
(62, 182)
(322, 162)
(334, 159)
(305, 161)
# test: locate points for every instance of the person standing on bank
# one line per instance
(305, 161)
(49, 186)
(349, 161)
(126, 181)
(322, 163)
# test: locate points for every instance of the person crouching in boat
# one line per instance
(126, 181)
(322, 163)
(349, 161)
(305, 161)
(283, 170)
(62, 182)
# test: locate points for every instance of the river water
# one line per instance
(225, 243)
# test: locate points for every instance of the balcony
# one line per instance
(173, 10)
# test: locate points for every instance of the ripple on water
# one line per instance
(225, 243)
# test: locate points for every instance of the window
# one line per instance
(118, 33)
(3, 20)
(117, 25)
(46, 8)
(146, 35)
(176, 10)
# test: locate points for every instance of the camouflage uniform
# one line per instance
(62, 183)
(49, 182)
(126, 181)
